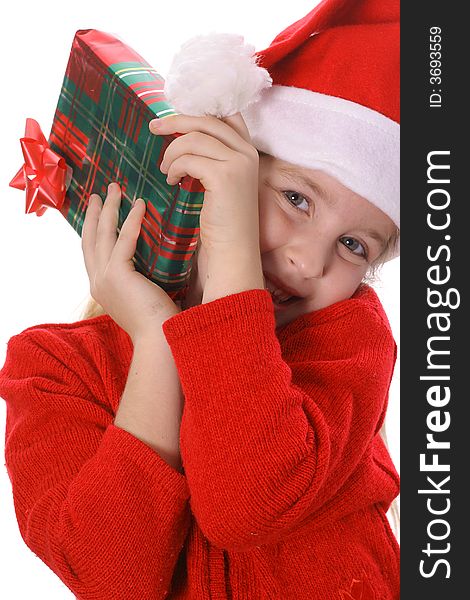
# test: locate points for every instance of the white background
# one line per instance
(43, 276)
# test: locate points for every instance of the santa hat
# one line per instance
(334, 100)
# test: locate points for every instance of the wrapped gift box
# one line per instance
(100, 129)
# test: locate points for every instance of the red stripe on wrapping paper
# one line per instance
(172, 249)
(138, 127)
(177, 244)
(176, 229)
(124, 117)
(154, 215)
(158, 79)
(140, 116)
(186, 232)
(65, 134)
(153, 222)
(126, 111)
(159, 250)
(69, 124)
(133, 124)
(141, 122)
(152, 99)
(143, 93)
(156, 234)
(126, 126)
(192, 185)
(141, 89)
(166, 222)
(176, 254)
(143, 84)
(171, 254)
(132, 120)
(181, 231)
(90, 181)
(121, 115)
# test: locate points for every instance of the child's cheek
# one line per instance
(272, 222)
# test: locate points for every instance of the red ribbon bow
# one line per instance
(44, 173)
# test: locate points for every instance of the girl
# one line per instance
(269, 385)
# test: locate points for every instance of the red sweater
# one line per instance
(286, 479)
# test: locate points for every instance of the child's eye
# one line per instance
(354, 246)
(297, 200)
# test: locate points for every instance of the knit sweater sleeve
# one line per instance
(98, 506)
(261, 452)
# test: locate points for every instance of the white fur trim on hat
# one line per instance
(356, 145)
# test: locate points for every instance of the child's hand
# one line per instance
(135, 303)
(220, 155)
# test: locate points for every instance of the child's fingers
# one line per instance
(237, 122)
(125, 246)
(196, 143)
(209, 125)
(106, 234)
(89, 228)
(192, 165)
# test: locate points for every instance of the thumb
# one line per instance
(237, 123)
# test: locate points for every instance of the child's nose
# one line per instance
(309, 263)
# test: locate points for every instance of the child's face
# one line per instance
(322, 249)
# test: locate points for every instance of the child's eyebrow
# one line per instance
(376, 236)
(295, 177)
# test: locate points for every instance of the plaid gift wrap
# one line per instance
(108, 96)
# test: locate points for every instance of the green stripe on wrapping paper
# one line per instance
(108, 140)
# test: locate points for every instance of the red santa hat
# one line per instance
(334, 100)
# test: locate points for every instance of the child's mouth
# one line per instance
(279, 297)
(284, 303)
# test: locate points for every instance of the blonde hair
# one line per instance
(90, 310)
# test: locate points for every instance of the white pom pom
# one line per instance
(215, 74)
